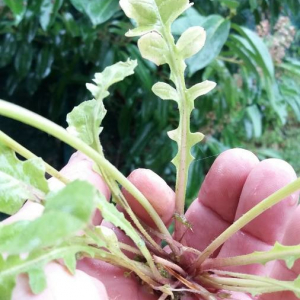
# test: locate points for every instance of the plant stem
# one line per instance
(246, 218)
(249, 259)
(14, 145)
(271, 285)
(169, 264)
(23, 115)
(175, 64)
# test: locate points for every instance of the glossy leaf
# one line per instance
(20, 180)
(48, 12)
(189, 18)
(217, 31)
(99, 11)
(23, 60)
(7, 49)
(18, 7)
(44, 62)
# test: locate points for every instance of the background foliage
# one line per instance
(49, 49)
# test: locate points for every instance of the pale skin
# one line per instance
(236, 182)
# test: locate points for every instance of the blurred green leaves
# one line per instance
(99, 11)
(18, 8)
(48, 12)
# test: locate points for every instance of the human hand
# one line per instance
(235, 183)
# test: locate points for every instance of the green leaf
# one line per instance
(253, 5)
(7, 283)
(18, 7)
(49, 9)
(200, 89)
(109, 76)
(232, 4)
(8, 49)
(37, 280)
(85, 120)
(190, 18)
(99, 11)
(260, 49)
(191, 42)
(76, 199)
(23, 60)
(153, 47)
(217, 31)
(291, 67)
(45, 60)
(152, 14)
(12, 266)
(111, 214)
(66, 212)
(20, 180)
(256, 118)
(165, 91)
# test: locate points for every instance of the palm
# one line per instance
(235, 183)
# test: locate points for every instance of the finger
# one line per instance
(61, 285)
(30, 211)
(260, 234)
(157, 192)
(81, 167)
(280, 270)
(128, 287)
(215, 208)
(162, 198)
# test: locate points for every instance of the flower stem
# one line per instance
(249, 259)
(246, 218)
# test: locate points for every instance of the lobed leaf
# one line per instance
(85, 119)
(67, 211)
(111, 214)
(20, 180)
(152, 15)
(34, 264)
